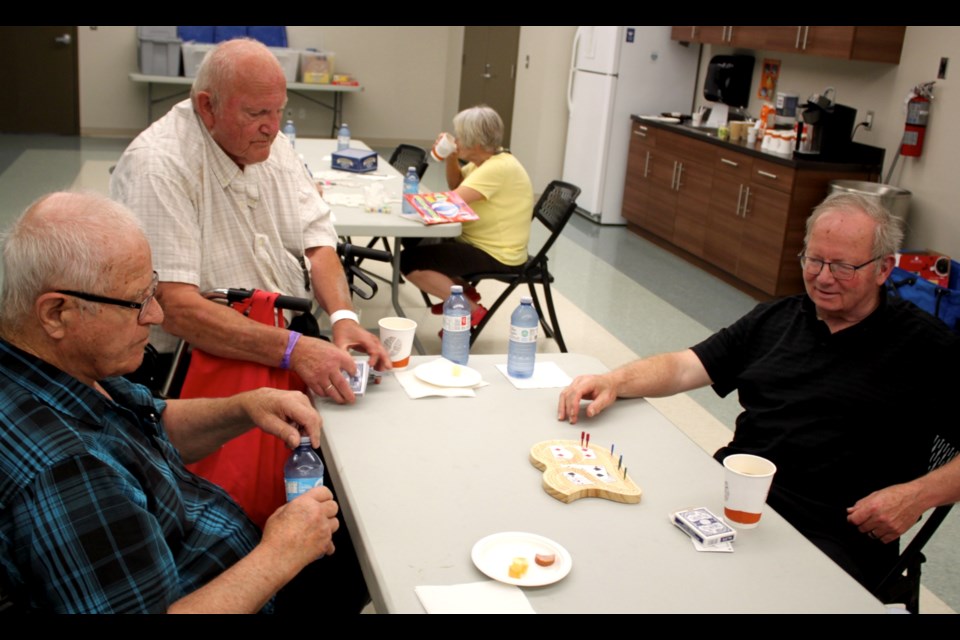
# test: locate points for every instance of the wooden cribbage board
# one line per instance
(571, 472)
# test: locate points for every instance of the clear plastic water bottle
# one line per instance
(522, 351)
(455, 344)
(343, 137)
(303, 470)
(291, 132)
(411, 184)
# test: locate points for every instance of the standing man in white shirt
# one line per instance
(226, 202)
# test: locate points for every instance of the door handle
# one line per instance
(65, 39)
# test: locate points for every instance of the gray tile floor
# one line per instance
(643, 297)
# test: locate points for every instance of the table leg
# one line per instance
(395, 292)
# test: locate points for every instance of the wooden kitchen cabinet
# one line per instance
(667, 186)
(869, 43)
(738, 209)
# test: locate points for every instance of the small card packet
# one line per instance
(703, 526)
(358, 383)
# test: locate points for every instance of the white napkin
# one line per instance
(474, 597)
(417, 388)
(546, 375)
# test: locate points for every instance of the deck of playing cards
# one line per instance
(703, 526)
(358, 383)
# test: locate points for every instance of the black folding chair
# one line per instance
(902, 583)
(554, 209)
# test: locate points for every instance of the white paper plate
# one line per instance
(494, 554)
(443, 373)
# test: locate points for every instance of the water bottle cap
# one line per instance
(304, 440)
(526, 300)
(289, 121)
(456, 288)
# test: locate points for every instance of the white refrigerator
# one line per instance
(616, 72)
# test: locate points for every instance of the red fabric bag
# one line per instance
(249, 467)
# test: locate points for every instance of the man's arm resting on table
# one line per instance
(333, 294)
(295, 535)
(888, 513)
(198, 427)
(223, 332)
(654, 377)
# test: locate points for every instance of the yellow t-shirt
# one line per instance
(503, 229)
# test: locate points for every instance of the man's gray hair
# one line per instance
(888, 236)
(481, 126)
(222, 66)
(62, 241)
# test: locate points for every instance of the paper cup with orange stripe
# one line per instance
(745, 488)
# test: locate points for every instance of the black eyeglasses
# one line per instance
(140, 306)
(840, 270)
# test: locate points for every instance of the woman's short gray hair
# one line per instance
(888, 236)
(479, 126)
(62, 241)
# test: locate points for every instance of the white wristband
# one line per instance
(343, 314)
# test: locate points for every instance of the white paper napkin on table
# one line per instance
(417, 388)
(546, 375)
(474, 597)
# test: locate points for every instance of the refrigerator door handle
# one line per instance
(573, 69)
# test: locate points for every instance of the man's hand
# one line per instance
(886, 514)
(304, 527)
(318, 363)
(347, 334)
(599, 389)
(279, 412)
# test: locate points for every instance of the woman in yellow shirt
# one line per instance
(498, 189)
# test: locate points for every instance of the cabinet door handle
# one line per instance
(765, 174)
(646, 166)
(693, 32)
(673, 176)
(679, 174)
(642, 132)
(746, 200)
(729, 162)
(797, 43)
(739, 198)
(730, 34)
(806, 32)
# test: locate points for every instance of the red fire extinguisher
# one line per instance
(918, 111)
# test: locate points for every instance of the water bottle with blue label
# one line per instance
(522, 350)
(455, 343)
(303, 470)
(343, 137)
(291, 132)
(411, 184)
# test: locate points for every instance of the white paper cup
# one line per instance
(443, 147)
(745, 488)
(397, 334)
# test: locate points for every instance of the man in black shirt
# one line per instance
(820, 378)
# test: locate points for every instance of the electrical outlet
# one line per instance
(869, 121)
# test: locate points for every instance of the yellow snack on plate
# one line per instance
(518, 567)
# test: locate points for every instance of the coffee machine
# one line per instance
(828, 127)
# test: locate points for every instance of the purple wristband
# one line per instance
(291, 343)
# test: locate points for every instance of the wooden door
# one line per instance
(39, 68)
(489, 71)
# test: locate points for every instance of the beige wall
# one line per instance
(882, 88)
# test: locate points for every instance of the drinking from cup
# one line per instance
(444, 146)
(745, 488)
(397, 334)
